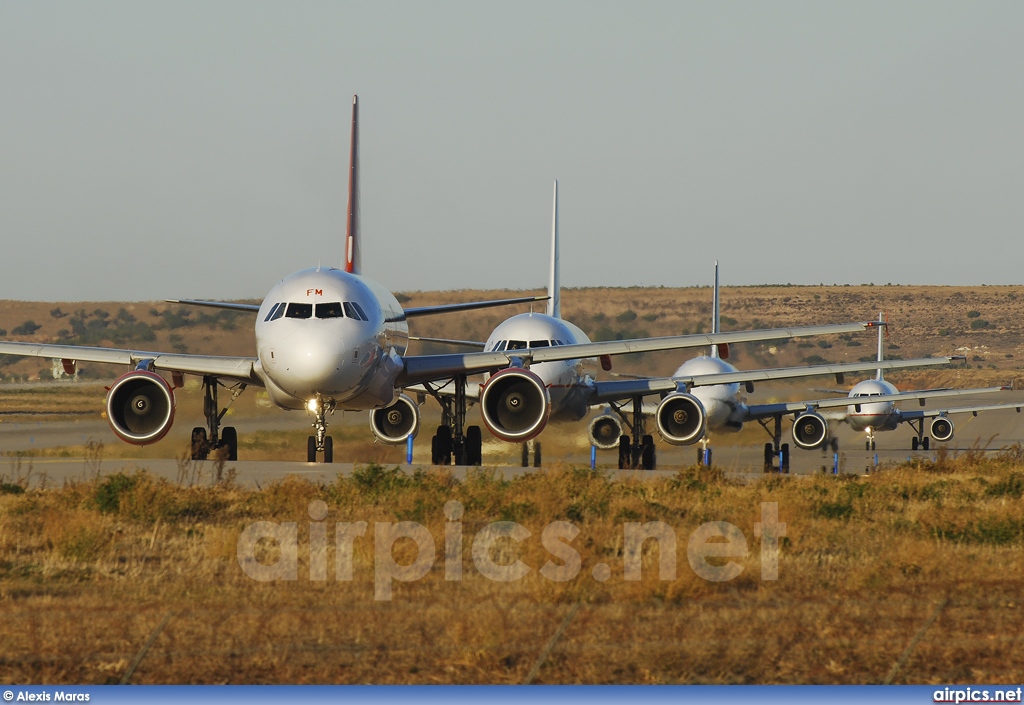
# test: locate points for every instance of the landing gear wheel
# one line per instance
(199, 447)
(229, 440)
(924, 443)
(913, 443)
(536, 454)
(311, 449)
(867, 445)
(647, 454)
(834, 444)
(784, 461)
(474, 446)
(700, 456)
(769, 457)
(624, 453)
(328, 449)
(441, 446)
(525, 455)
(872, 445)
(459, 449)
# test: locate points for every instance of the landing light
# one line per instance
(312, 405)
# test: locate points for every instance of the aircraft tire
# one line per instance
(311, 449)
(229, 438)
(328, 450)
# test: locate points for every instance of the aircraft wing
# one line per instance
(467, 306)
(760, 411)
(614, 390)
(228, 305)
(424, 368)
(449, 341)
(408, 313)
(811, 371)
(931, 413)
(240, 368)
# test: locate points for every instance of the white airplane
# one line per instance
(330, 339)
(810, 429)
(705, 397)
(572, 391)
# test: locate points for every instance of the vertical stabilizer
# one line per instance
(554, 286)
(716, 325)
(353, 261)
(881, 330)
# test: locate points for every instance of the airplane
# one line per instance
(573, 391)
(810, 429)
(708, 387)
(330, 338)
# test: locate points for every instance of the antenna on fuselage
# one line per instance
(554, 286)
(353, 261)
(881, 327)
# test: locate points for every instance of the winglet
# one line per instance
(554, 308)
(353, 262)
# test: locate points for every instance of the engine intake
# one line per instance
(140, 407)
(515, 405)
(810, 430)
(941, 429)
(605, 431)
(395, 423)
(681, 419)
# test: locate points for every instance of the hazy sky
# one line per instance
(178, 149)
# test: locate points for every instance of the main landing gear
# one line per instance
(637, 452)
(776, 450)
(453, 441)
(526, 453)
(320, 443)
(225, 441)
(920, 441)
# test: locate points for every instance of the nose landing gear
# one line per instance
(320, 443)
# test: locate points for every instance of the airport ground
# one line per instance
(125, 566)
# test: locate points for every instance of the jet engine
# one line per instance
(394, 424)
(605, 431)
(515, 405)
(810, 430)
(140, 407)
(941, 429)
(681, 419)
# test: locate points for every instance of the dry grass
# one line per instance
(88, 570)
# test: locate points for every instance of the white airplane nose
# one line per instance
(310, 364)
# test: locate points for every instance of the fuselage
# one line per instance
(723, 403)
(879, 416)
(566, 380)
(330, 335)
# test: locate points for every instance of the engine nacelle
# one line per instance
(140, 407)
(605, 431)
(681, 419)
(394, 424)
(941, 429)
(810, 430)
(515, 405)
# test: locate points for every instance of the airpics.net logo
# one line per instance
(718, 540)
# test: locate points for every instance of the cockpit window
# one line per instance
(272, 311)
(299, 311)
(280, 311)
(350, 311)
(540, 343)
(329, 310)
(359, 309)
(516, 345)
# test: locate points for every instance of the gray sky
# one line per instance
(156, 150)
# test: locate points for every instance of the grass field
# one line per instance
(927, 554)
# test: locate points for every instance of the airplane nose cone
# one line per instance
(310, 364)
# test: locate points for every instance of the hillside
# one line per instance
(982, 323)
